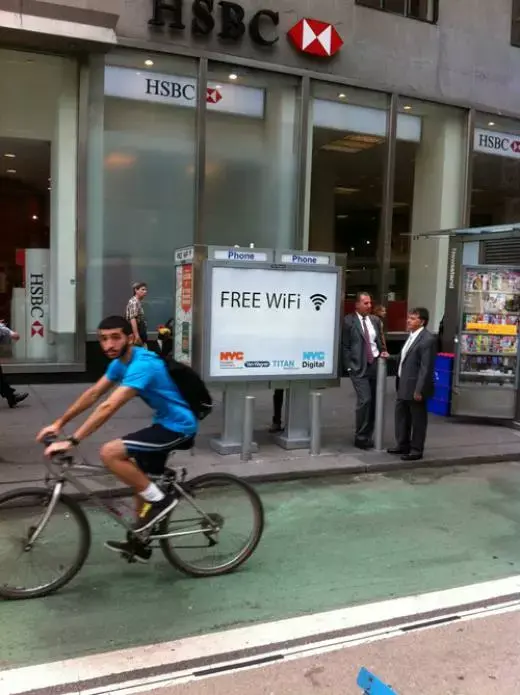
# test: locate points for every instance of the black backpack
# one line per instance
(191, 387)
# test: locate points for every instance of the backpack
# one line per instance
(191, 388)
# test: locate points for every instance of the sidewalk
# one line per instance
(449, 442)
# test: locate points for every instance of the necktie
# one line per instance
(368, 347)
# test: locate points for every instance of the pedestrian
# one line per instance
(277, 426)
(6, 390)
(362, 345)
(415, 384)
(135, 313)
(380, 312)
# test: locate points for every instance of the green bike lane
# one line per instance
(328, 544)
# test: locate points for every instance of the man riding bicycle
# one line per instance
(136, 372)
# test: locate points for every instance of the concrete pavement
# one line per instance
(449, 442)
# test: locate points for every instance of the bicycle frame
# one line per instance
(64, 475)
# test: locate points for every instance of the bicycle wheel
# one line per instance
(57, 554)
(233, 507)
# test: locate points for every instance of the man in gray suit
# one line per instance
(362, 345)
(415, 384)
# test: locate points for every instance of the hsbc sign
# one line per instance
(230, 21)
(125, 83)
(501, 144)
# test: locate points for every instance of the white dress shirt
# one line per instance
(371, 334)
(406, 347)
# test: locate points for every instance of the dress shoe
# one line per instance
(16, 398)
(363, 444)
(396, 451)
(411, 457)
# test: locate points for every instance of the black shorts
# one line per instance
(150, 447)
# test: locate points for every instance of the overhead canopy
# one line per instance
(42, 23)
(504, 230)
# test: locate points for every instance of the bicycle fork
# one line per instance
(56, 494)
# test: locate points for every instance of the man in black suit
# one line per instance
(362, 345)
(415, 384)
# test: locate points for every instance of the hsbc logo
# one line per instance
(316, 38)
(37, 329)
(213, 96)
(502, 144)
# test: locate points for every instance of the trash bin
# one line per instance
(440, 403)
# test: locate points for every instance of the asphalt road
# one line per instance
(465, 658)
(328, 544)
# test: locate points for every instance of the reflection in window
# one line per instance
(348, 157)
(147, 205)
(251, 158)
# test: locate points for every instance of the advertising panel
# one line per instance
(272, 323)
(183, 319)
(37, 269)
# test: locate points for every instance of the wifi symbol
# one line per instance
(318, 300)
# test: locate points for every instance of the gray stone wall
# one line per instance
(466, 58)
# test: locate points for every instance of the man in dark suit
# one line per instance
(415, 383)
(362, 345)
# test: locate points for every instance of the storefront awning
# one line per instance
(93, 22)
(504, 230)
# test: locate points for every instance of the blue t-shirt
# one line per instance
(148, 375)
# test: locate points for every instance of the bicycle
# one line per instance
(50, 503)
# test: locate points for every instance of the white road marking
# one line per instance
(209, 650)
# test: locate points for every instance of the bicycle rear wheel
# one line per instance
(56, 556)
(221, 538)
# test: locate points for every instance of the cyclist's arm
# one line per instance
(85, 401)
(104, 411)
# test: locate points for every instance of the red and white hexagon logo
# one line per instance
(213, 96)
(315, 37)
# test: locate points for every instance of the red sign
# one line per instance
(186, 287)
(316, 37)
(213, 96)
(36, 329)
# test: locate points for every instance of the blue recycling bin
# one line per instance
(440, 403)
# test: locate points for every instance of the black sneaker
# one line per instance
(16, 398)
(130, 550)
(275, 428)
(150, 512)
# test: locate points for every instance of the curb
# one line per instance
(363, 468)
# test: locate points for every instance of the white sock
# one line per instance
(152, 493)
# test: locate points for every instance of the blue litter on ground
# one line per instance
(371, 685)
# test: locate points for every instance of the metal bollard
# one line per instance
(247, 432)
(379, 428)
(315, 423)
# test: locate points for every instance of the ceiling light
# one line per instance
(148, 63)
(407, 107)
(491, 123)
(233, 76)
(368, 243)
(352, 248)
(35, 217)
(11, 171)
(9, 155)
(342, 96)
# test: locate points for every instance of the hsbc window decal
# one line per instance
(127, 83)
(499, 144)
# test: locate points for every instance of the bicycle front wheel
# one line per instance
(32, 570)
(218, 531)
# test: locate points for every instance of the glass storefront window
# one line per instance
(428, 197)
(251, 158)
(144, 207)
(495, 195)
(38, 192)
(348, 160)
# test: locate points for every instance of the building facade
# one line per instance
(130, 128)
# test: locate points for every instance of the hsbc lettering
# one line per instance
(36, 288)
(493, 142)
(173, 90)
(233, 22)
